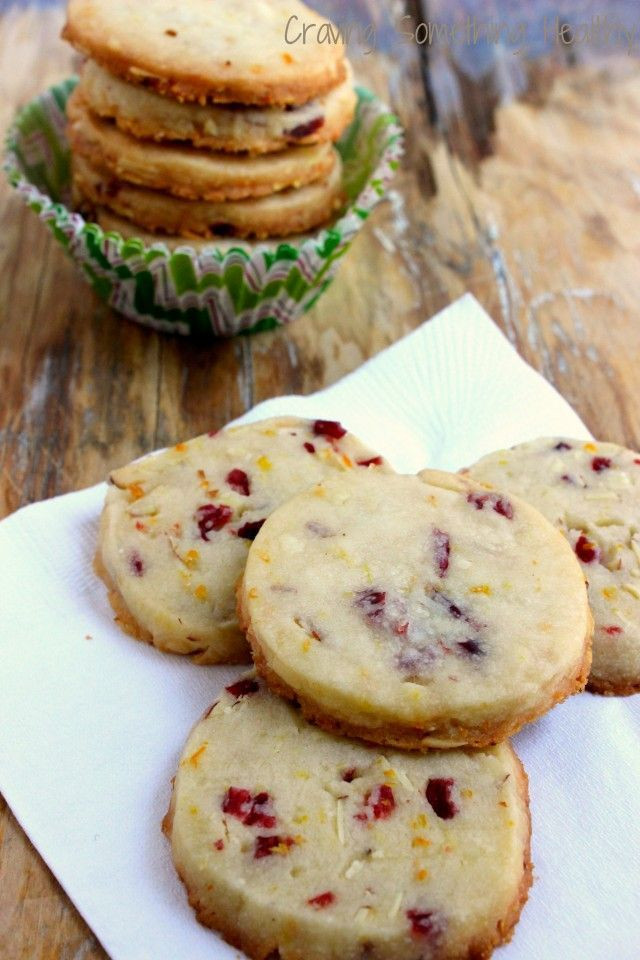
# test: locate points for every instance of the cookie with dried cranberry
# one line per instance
(187, 172)
(177, 526)
(280, 214)
(227, 51)
(416, 611)
(294, 843)
(591, 492)
(233, 128)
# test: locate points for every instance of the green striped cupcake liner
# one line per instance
(219, 289)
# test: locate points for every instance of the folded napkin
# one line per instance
(92, 723)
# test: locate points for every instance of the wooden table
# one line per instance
(521, 184)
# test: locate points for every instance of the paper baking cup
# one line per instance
(219, 289)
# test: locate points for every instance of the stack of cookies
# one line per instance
(356, 796)
(200, 119)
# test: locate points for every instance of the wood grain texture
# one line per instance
(521, 184)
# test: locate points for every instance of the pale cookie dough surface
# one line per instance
(591, 492)
(230, 51)
(416, 611)
(186, 171)
(295, 843)
(145, 114)
(277, 215)
(176, 526)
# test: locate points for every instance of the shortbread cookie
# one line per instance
(227, 51)
(188, 172)
(145, 114)
(176, 526)
(298, 845)
(280, 214)
(416, 611)
(111, 222)
(591, 492)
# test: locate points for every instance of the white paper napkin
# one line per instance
(92, 723)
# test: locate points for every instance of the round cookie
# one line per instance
(279, 214)
(145, 114)
(297, 844)
(227, 51)
(591, 492)
(176, 526)
(426, 613)
(189, 172)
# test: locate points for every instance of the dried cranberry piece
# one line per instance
(219, 845)
(598, 464)
(350, 775)
(243, 688)
(425, 923)
(136, 564)
(319, 529)
(329, 428)
(251, 811)
(499, 504)
(379, 804)
(438, 794)
(373, 462)
(382, 802)
(306, 129)
(586, 550)
(372, 603)
(309, 447)
(562, 446)
(265, 845)
(239, 481)
(237, 802)
(568, 479)
(251, 529)
(261, 814)
(471, 647)
(456, 611)
(323, 900)
(613, 631)
(441, 551)
(223, 229)
(212, 517)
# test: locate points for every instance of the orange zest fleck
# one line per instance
(481, 588)
(180, 447)
(590, 448)
(135, 491)
(194, 759)
(140, 526)
(348, 462)
(201, 592)
(287, 58)
(422, 874)
(420, 842)
(191, 558)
